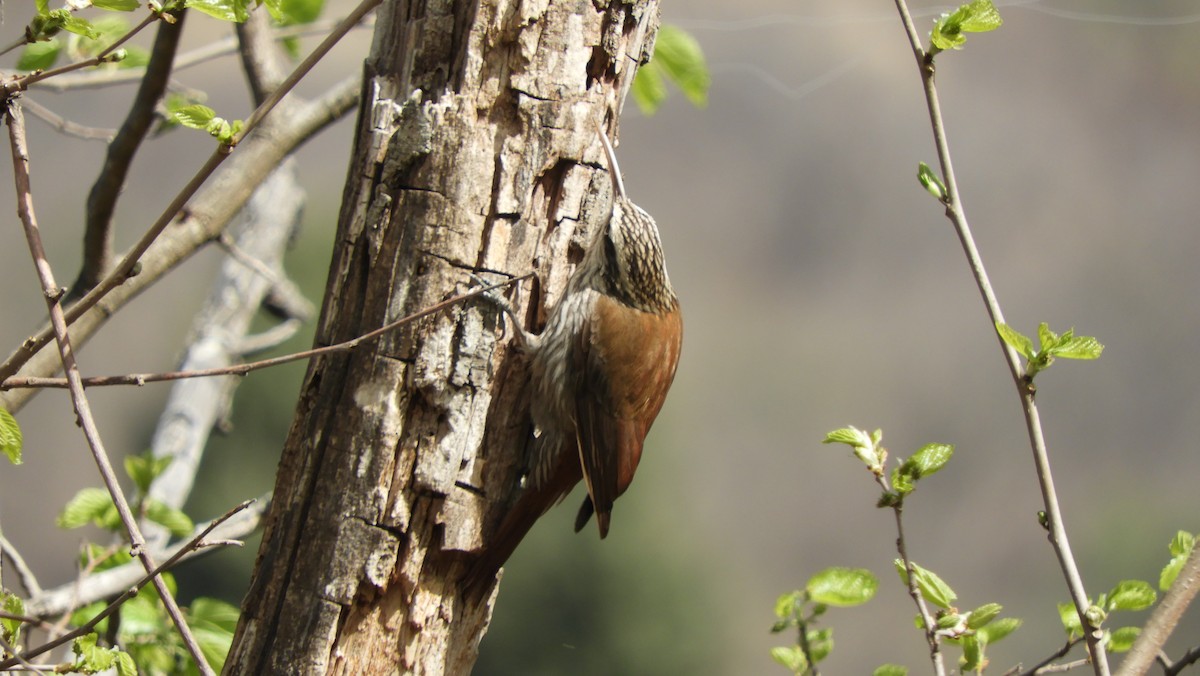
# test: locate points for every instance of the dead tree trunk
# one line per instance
(475, 151)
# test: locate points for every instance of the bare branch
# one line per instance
(11, 650)
(203, 54)
(262, 60)
(1189, 658)
(1164, 619)
(242, 369)
(102, 200)
(955, 212)
(125, 269)
(65, 126)
(108, 583)
(218, 334)
(83, 413)
(1058, 654)
(24, 572)
(130, 591)
(927, 617)
(24, 82)
(207, 216)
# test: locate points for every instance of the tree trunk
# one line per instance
(475, 152)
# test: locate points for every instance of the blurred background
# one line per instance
(822, 287)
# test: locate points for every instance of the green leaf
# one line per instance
(11, 439)
(74, 24)
(101, 558)
(866, 446)
(982, 17)
(933, 588)
(42, 6)
(1131, 595)
(929, 459)
(225, 10)
(135, 57)
(820, 643)
(979, 16)
(790, 657)
(85, 614)
(157, 658)
(194, 116)
(145, 468)
(984, 614)
(948, 620)
(649, 88)
(10, 629)
(1181, 547)
(1016, 340)
(126, 667)
(842, 587)
(172, 519)
(1121, 640)
(143, 615)
(90, 505)
(787, 604)
(931, 182)
(92, 658)
(683, 63)
(998, 629)
(108, 30)
(848, 435)
(1046, 337)
(292, 12)
(39, 56)
(679, 59)
(890, 670)
(972, 658)
(1078, 347)
(213, 622)
(1070, 619)
(117, 5)
(214, 612)
(1182, 543)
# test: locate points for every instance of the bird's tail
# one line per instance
(516, 524)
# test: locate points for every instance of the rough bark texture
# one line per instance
(475, 151)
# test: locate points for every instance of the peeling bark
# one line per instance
(474, 151)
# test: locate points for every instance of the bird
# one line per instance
(599, 374)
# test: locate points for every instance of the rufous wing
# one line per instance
(628, 359)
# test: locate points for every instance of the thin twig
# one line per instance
(927, 618)
(125, 268)
(65, 126)
(1064, 667)
(24, 82)
(956, 214)
(153, 574)
(262, 59)
(83, 413)
(235, 252)
(1058, 654)
(11, 650)
(289, 83)
(1189, 658)
(94, 586)
(208, 215)
(806, 648)
(1164, 619)
(24, 572)
(242, 369)
(209, 51)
